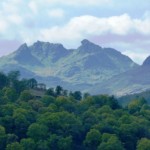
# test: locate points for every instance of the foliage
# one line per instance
(61, 121)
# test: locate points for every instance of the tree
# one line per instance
(32, 83)
(10, 94)
(65, 103)
(77, 95)
(136, 105)
(37, 131)
(13, 75)
(110, 142)
(61, 143)
(28, 144)
(86, 95)
(14, 146)
(25, 96)
(20, 124)
(3, 80)
(42, 145)
(92, 139)
(143, 144)
(50, 92)
(61, 122)
(65, 143)
(11, 138)
(35, 104)
(58, 90)
(47, 100)
(2, 137)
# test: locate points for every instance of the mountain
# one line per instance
(133, 81)
(75, 69)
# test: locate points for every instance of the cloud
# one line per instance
(79, 2)
(56, 13)
(33, 6)
(67, 22)
(86, 26)
(3, 26)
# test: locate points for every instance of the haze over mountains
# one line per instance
(87, 68)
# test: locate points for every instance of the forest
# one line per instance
(65, 120)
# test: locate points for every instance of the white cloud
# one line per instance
(3, 26)
(56, 13)
(33, 6)
(32, 20)
(142, 26)
(86, 26)
(79, 2)
(16, 19)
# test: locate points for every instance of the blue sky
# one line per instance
(124, 25)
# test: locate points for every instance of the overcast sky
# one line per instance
(123, 25)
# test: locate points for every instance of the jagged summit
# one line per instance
(48, 45)
(88, 47)
(76, 69)
(23, 47)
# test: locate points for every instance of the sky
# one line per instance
(123, 25)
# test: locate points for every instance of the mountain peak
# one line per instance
(22, 49)
(23, 46)
(88, 47)
(47, 45)
(85, 42)
(147, 61)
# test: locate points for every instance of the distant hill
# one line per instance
(129, 82)
(88, 66)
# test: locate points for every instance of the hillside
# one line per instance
(75, 69)
(40, 119)
(130, 82)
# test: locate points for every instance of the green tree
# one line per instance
(110, 142)
(11, 138)
(65, 143)
(10, 94)
(28, 144)
(37, 131)
(3, 80)
(77, 95)
(65, 103)
(143, 144)
(14, 146)
(58, 90)
(25, 96)
(20, 124)
(32, 83)
(51, 92)
(35, 104)
(42, 145)
(2, 137)
(92, 139)
(13, 75)
(47, 100)
(136, 105)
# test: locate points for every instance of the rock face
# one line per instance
(76, 69)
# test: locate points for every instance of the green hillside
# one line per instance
(55, 119)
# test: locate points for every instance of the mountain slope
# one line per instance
(133, 81)
(76, 69)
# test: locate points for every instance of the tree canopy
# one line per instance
(62, 120)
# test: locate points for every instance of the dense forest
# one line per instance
(62, 120)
